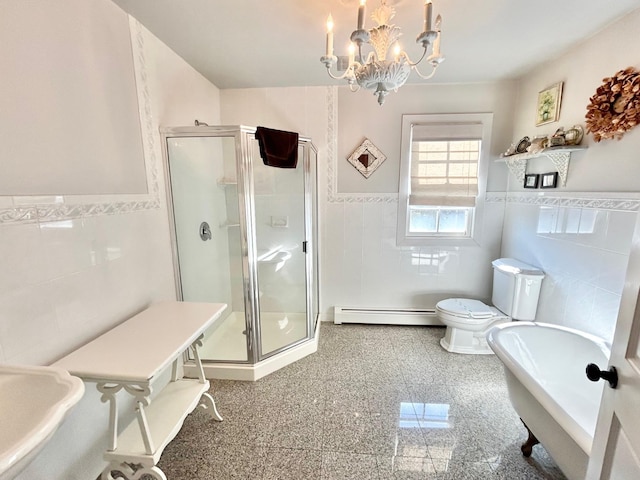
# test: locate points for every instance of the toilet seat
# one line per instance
(467, 320)
(474, 311)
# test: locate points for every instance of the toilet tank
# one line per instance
(516, 288)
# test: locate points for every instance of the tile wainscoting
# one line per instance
(582, 242)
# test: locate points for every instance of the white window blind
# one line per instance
(444, 164)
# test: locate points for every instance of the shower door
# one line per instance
(208, 253)
(280, 230)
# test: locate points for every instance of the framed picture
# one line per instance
(549, 180)
(366, 158)
(548, 108)
(531, 180)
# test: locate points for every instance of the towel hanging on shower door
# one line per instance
(277, 147)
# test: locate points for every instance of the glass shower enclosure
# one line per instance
(244, 234)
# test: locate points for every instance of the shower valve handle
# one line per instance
(594, 374)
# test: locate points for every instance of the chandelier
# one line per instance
(381, 70)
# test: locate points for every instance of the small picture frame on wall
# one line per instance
(531, 180)
(548, 107)
(549, 180)
(366, 158)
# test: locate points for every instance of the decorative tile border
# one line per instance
(602, 200)
(495, 197)
(54, 208)
(628, 202)
(332, 165)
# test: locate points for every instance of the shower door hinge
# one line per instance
(304, 247)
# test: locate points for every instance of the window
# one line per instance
(439, 220)
(442, 176)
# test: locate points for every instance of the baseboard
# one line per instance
(386, 316)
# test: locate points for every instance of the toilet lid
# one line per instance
(465, 308)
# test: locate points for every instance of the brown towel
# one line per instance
(277, 147)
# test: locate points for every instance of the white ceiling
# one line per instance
(276, 43)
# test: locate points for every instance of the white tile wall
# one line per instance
(67, 281)
(362, 266)
(584, 253)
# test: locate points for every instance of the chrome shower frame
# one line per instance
(243, 137)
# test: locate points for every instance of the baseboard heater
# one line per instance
(386, 316)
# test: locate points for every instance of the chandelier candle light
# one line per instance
(378, 71)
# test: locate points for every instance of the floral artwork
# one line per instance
(549, 104)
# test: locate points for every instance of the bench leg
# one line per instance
(129, 472)
(153, 472)
(124, 471)
(209, 404)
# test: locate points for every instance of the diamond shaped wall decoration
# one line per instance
(366, 158)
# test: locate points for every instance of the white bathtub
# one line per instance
(545, 372)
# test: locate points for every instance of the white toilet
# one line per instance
(516, 288)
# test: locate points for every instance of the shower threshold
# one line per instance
(224, 350)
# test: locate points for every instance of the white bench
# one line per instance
(130, 357)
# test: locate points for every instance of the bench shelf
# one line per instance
(130, 357)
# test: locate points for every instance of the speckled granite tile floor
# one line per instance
(375, 402)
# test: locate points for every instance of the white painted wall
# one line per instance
(93, 162)
(360, 116)
(584, 251)
(609, 166)
(65, 280)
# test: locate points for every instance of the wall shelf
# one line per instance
(559, 156)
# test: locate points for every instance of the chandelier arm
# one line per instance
(425, 77)
(371, 57)
(414, 64)
(347, 74)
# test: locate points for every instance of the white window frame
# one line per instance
(404, 237)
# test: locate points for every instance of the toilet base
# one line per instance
(456, 340)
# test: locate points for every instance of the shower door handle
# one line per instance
(304, 247)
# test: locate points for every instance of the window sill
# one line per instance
(423, 241)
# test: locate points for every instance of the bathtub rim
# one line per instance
(566, 421)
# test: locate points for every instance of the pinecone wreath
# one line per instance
(615, 107)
